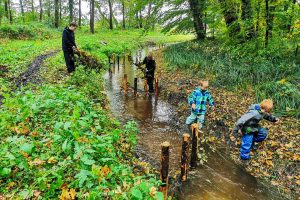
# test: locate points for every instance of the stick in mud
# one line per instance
(125, 83)
(135, 86)
(195, 141)
(164, 168)
(145, 85)
(118, 61)
(156, 86)
(184, 156)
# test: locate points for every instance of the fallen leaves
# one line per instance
(67, 194)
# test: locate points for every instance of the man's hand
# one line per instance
(194, 106)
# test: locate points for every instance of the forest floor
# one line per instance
(277, 158)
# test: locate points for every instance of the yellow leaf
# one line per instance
(153, 191)
(72, 193)
(37, 161)
(52, 160)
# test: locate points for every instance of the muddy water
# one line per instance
(218, 179)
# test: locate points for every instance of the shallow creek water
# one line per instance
(218, 179)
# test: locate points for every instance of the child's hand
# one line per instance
(194, 106)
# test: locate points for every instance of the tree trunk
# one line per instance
(6, 9)
(92, 16)
(79, 20)
(71, 2)
(110, 15)
(10, 12)
(32, 9)
(41, 11)
(22, 10)
(247, 18)
(123, 13)
(56, 15)
(257, 18)
(269, 20)
(60, 10)
(231, 18)
(291, 17)
(197, 7)
(141, 19)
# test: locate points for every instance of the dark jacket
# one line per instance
(150, 67)
(68, 40)
(249, 122)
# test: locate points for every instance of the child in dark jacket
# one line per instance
(248, 126)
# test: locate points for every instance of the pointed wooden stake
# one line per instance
(184, 156)
(195, 141)
(125, 83)
(164, 168)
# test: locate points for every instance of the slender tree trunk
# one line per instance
(71, 4)
(22, 10)
(110, 15)
(291, 17)
(49, 10)
(10, 12)
(197, 7)
(269, 20)
(60, 10)
(79, 20)
(6, 9)
(123, 13)
(231, 18)
(141, 19)
(56, 14)
(41, 10)
(32, 9)
(257, 17)
(92, 16)
(247, 18)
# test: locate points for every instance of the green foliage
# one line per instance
(56, 137)
(22, 32)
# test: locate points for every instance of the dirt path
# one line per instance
(31, 75)
(276, 159)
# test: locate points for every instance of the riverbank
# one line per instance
(275, 160)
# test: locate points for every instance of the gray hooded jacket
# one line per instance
(249, 122)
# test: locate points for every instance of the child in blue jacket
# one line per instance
(248, 126)
(198, 100)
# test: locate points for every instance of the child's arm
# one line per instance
(191, 98)
(270, 118)
(210, 100)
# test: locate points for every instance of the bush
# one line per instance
(22, 32)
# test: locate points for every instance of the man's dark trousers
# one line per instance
(69, 58)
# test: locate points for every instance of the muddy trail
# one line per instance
(158, 121)
(31, 75)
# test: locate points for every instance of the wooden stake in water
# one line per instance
(135, 86)
(109, 59)
(156, 86)
(184, 156)
(125, 83)
(195, 141)
(118, 60)
(164, 168)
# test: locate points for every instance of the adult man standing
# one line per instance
(69, 46)
(150, 63)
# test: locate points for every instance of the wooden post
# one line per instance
(145, 85)
(109, 59)
(164, 168)
(135, 86)
(125, 83)
(184, 156)
(156, 86)
(118, 60)
(195, 141)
